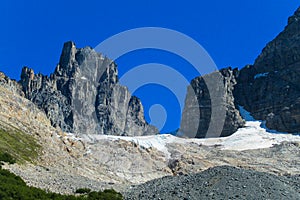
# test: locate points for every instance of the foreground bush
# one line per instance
(6, 157)
(83, 191)
(13, 187)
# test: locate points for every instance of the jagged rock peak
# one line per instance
(27, 73)
(9, 84)
(83, 95)
(68, 54)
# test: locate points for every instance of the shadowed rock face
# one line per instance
(270, 89)
(83, 95)
(197, 114)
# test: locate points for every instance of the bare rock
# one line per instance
(199, 107)
(83, 95)
(269, 89)
(9, 84)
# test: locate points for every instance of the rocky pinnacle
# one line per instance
(83, 95)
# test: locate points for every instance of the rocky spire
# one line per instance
(67, 57)
(27, 76)
(83, 95)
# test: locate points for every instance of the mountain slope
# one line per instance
(66, 162)
(219, 183)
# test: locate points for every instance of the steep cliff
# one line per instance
(270, 88)
(83, 95)
(197, 115)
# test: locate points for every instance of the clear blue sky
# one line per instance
(233, 31)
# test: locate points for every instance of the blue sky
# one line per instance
(233, 32)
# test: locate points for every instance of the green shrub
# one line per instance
(23, 147)
(83, 191)
(6, 157)
(105, 195)
(13, 187)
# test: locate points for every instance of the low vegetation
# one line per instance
(83, 190)
(13, 187)
(6, 157)
(16, 146)
(21, 146)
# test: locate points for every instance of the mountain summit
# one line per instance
(269, 88)
(83, 95)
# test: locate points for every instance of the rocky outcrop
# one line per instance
(269, 89)
(83, 95)
(9, 84)
(42, 91)
(209, 106)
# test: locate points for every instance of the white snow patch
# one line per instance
(252, 136)
(154, 141)
(102, 57)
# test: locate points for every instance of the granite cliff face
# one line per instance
(197, 114)
(83, 95)
(270, 88)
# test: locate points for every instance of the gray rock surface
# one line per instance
(83, 95)
(197, 114)
(270, 88)
(9, 84)
(222, 182)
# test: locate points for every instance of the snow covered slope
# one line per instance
(252, 136)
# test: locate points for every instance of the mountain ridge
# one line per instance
(83, 95)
